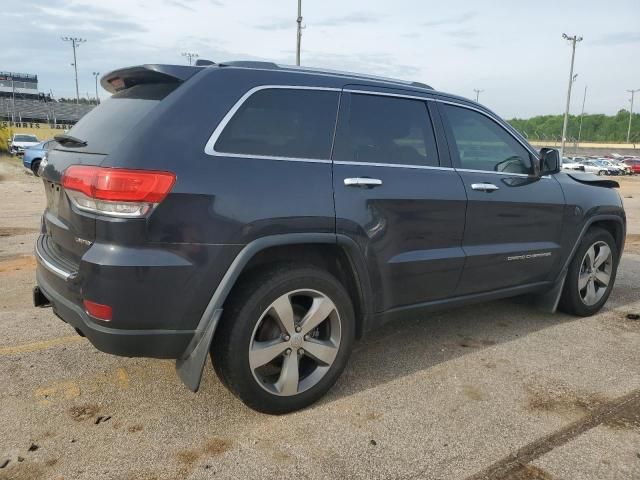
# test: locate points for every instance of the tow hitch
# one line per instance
(39, 300)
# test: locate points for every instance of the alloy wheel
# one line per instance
(295, 342)
(595, 273)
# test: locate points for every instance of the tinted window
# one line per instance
(484, 145)
(104, 127)
(283, 123)
(379, 129)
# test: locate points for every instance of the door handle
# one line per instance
(484, 187)
(362, 182)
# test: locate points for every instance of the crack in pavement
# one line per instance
(609, 413)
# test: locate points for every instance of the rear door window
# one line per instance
(385, 129)
(282, 122)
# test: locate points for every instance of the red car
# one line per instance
(634, 164)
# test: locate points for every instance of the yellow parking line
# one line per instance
(42, 345)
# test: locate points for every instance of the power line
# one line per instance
(75, 43)
(574, 39)
(632, 92)
(190, 56)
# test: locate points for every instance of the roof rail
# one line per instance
(326, 71)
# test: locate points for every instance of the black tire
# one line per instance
(35, 164)
(571, 301)
(250, 299)
(601, 172)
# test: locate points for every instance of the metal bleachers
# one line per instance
(31, 110)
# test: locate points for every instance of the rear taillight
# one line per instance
(97, 310)
(117, 192)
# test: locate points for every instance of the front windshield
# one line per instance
(25, 138)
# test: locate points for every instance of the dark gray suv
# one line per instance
(272, 215)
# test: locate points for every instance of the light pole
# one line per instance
(95, 74)
(190, 56)
(575, 39)
(632, 92)
(478, 92)
(299, 32)
(584, 99)
(75, 43)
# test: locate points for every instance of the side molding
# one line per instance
(191, 363)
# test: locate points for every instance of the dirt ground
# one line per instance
(492, 391)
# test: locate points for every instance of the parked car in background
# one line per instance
(621, 165)
(633, 164)
(20, 141)
(590, 166)
(569, 164)
(610, 167)
(34, 155)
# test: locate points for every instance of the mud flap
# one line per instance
(191, 364)
(548, 301)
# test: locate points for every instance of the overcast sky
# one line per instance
(512, 50)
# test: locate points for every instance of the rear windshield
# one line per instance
(25, 138)
(104, 127)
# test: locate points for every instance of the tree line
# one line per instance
(595, 127)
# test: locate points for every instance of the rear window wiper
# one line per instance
(69, 140)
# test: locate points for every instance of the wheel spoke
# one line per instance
(262, 353)
(284, 313)
(583, 280)
(590, 296)
(287, 384)
(323, 352)
(318, 313)
(603, 256)
(603, 277)
(590, 257)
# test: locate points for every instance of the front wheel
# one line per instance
(601, 172)
(285, 337)
(591, 274)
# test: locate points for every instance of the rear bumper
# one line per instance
(62, 289)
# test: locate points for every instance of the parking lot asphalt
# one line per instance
(492, 391)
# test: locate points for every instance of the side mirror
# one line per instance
(549, 161)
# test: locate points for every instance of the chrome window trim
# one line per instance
(209, 148)
(393, 165)
(51, 267)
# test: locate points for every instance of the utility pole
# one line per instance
(95, 74)
(13, 96)
(75, 43)
(299, 32)
(575, 39)
(584, 99)
(190, 56)
(478, 92)
(632, 92)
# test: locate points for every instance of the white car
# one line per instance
(592, 167)
(621, 165)
(20, 141)
(568, 164)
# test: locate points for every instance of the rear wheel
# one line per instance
(285, 337)
(601, 172)
(591, 274)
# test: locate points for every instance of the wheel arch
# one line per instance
(614, 224)
(349, 267)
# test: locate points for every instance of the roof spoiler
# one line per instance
(128, 77)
